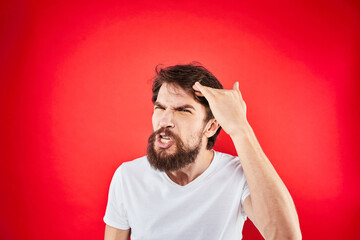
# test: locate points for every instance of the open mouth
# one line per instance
(164, 139)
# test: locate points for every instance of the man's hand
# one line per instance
(227, 106)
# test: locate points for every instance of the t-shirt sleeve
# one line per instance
(115, 214)
(245, 193)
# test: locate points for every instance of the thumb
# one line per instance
(236, 86)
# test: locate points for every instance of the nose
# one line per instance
(166, 120)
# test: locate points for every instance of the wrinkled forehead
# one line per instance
(175, 95)
(174, 90)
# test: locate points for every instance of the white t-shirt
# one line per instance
(155, 207)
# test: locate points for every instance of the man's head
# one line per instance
(185, 76)
(182, 121)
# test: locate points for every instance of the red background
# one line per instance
(75, 101)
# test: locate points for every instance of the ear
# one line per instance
(211, 127)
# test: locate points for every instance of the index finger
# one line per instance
(198, 93)
(202, 90)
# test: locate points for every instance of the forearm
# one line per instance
(273, 208)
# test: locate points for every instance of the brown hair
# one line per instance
(185, 76)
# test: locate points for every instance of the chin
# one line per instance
(165, 151)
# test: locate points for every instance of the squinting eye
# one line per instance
(184, 110)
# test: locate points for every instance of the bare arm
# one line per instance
(112, 233)
(269, 204)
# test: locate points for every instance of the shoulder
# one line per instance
(140, 162)
(134, 167)
(225, 159)
(228, 164)
(230, 167)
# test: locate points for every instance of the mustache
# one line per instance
(167, 132)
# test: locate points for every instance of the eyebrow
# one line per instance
(176, 108)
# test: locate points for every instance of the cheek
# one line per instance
(156, 116)
(194, 132)
(197, 125)
(154, 121)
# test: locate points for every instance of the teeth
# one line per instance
(164, 140)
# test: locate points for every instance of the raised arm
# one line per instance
(269, 205)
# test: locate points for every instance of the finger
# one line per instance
(236, 86)
(195, 87)
(205, 91)
(198, 93)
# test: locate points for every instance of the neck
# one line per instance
(187, 174)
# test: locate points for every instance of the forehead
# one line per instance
(173, 95)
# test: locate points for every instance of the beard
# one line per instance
(159, 159)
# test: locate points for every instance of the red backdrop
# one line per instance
(75, 101)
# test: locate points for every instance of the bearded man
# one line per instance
(182, 188)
